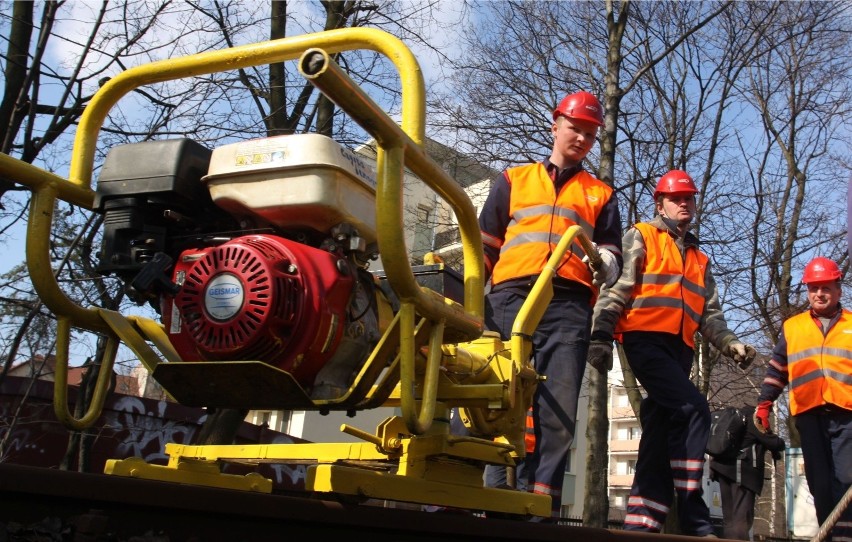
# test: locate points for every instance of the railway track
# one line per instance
(46, 504)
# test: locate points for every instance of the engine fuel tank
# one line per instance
(295, 181)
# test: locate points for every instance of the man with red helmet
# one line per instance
(527, 210)
(666, 293)
(814, 356)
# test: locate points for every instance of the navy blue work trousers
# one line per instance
(826, 434)
(560, 345)
(675, 422)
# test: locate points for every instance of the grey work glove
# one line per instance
(600, 355)
(741, 353)
(608, 271)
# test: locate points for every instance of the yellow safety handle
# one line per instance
(60, 385)
(541, 294)
(418, 421)
(244, 56)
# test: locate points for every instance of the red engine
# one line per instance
(296, 293)
(260, 297)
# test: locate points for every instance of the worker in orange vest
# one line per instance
(526, 213)
(814, 357)
(666, 293)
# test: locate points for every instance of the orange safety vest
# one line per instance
(537, 225)
(819, 368)
(670, 291)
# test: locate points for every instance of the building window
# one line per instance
(625, 467)
(628, 432)
(620, 399)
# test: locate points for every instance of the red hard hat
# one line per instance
(675, 181)
(821, 270)
(580, 106)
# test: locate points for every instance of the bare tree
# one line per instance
(673, 77)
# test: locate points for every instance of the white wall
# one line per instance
(801, 512)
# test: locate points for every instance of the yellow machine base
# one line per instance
(378, 485)
(439, 470)
(194, 473)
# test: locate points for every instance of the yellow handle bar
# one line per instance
(60, 384)
(541, 294)
(397, 151)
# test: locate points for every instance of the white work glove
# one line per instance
(741, 353)
(608, 272)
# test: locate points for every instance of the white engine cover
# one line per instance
(295, 181)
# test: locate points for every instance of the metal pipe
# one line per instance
(36, 178)
(60, 385)
(394, 145)
(245, 56)
(363, 435)
(541, 294)
(418, 414)
(832, 519)
(39, 264)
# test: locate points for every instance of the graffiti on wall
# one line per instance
(129, 427)
(147, 431)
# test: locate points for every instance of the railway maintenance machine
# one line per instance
(255, 255)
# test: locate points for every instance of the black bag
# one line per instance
(727, 428)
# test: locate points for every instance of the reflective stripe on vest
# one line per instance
(819, 367)
(536, 228)
(669, 294)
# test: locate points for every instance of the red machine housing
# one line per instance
(260, 297)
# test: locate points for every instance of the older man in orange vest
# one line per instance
(814, 357)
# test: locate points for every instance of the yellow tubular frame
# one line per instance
(541, 294)
(396, 150)
(398, 147)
